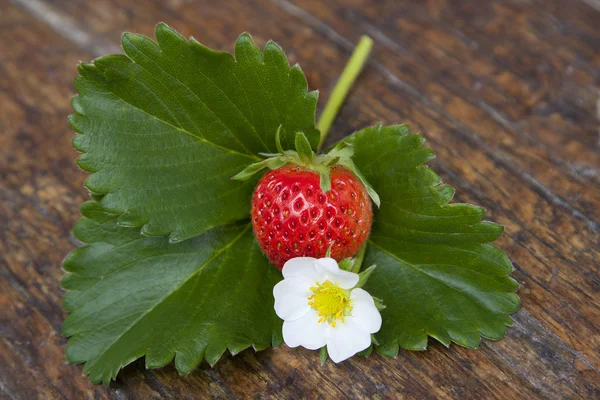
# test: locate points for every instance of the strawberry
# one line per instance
(293, 217)
(309, 204)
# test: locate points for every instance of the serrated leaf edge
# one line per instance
(392, 351)
(234, 348)
(143, 222)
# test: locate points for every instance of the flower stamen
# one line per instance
(331, 302)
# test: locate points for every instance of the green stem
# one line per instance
(343, 85)
(359, 258)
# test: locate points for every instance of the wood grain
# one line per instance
(507, 95)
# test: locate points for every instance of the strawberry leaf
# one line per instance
(437, 272)
(131, 296)
(165, 126)
(163, 129)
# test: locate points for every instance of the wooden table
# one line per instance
(505, 92)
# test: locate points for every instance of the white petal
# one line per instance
(291, 298)
(329, 268)
(301, 266)
(306, 331)
(364, 310)
(328, 264)
(298, 284)
(347, 339)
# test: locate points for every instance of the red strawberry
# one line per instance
(293, 217)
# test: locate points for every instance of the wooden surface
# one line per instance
(505, 92)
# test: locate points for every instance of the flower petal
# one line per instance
(329, 268)
(305, 331)
(347, 339)
(291, 298)
(297, 284)
(364, 310)
(328, 263)
(301, 266)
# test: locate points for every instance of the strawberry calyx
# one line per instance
(304, 156)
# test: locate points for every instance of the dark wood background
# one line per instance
(505, 92)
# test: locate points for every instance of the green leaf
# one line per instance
(131, 295)
(436, 271)
(165, 126)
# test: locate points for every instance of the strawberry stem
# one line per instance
(359, 258)
(343, 85)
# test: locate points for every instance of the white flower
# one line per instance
(320, 306)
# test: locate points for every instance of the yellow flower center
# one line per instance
(331, 302)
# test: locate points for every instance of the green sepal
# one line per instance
(342, 150)
(364, 276)
(374, 340)
(323, 355)
(325, 177)
(366, 352)
(276, 163)
(251, 170)
(348, 163)
(379, 303)
(269, 155)
(303, 148)
(346, 264)
(328, 252)
(278, 140)
(340, 154)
